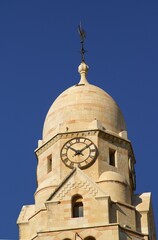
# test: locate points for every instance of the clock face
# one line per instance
(79, 152)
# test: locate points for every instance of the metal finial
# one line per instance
(82, 34)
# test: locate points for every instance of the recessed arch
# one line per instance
(77, 206)
(89, 238)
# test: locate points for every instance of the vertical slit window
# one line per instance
(49, 164)
(112, 157)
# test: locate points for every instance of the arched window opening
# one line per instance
(66, 239)
(90, 238)
(77, 206)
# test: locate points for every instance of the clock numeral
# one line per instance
(82, 140)
(77, 140)
(71, 164)
(79, 165)
(66, 147)
(88, 142)
(63, 155)
(66, 160)
(92, 150)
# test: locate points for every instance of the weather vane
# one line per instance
(82, 34)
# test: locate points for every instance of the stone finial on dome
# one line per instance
(83, 69)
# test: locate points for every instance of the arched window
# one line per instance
(90, 238)
(77, 206)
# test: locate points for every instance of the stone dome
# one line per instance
(116, 186)
(81, 104)
(112, 176)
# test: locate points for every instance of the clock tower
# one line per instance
(85, 173)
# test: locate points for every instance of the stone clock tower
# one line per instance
(85, 173)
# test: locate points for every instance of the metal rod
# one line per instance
(82, 34)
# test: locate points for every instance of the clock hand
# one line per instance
(78, 152)
(73, 149)
(85, 147)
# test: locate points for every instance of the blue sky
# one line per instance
(39, 56)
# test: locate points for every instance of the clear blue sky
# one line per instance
(39, 56)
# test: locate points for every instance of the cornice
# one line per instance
(64, 135)
(102, 134)
(134, 233)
